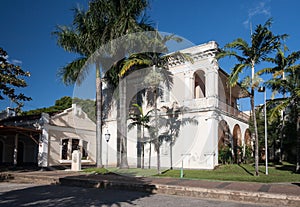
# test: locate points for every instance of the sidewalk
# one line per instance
(287, 194)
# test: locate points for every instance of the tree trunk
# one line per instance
(143, 151)
(118, 135)
(255, 131)
(139, 134)
(156, 132)
(123, 126)
(150, 148)
(98, 118)
(171, 154)
(138, 145)
(298, 139)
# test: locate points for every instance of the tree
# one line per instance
(286, 79)
(60, 105)
(11, 78)
(158, 73)
(103, 22)
(263, 43)
(138, 118)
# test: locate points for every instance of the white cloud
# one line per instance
(16, 62)
(261, 8)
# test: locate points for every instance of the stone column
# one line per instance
(211, 81)
(188, 84)
(215, 139)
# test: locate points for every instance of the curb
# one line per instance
(216, 194)
(206, 193)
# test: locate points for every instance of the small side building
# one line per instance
(47, 140)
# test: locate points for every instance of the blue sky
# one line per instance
(26, 28)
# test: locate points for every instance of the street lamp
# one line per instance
(263, 89)
(107, 137)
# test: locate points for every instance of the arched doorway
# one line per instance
(199, 84)
(237, 143)
(224, 143)
(247, 138)
(248, 150)
(223, 134)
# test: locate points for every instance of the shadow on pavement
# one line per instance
(57, 195)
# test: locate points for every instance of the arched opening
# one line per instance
(247, 138)
(237, 143)
(248, 151)
(223, 134)
(224, 144)
(199, 84)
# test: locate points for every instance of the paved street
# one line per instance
(12, 194)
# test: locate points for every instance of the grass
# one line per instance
(136, 172)
(233, 172)
(242, 172)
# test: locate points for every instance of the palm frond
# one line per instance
(73, 72)
(128, 64)
(280, 105)
(234, 76)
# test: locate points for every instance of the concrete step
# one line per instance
(19, 178)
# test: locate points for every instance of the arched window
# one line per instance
(199, 84)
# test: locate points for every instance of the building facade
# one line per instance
(196, 117)
(190, 122)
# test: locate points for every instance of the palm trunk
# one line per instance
(298, 138)
(255, 131)
(123, 124)
(156, 132)
(98, 117)
(143, 151)
(150, 148)
(139, 134)
(118, 135)
(171, 154)
(138, 146)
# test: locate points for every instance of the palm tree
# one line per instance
(263, 43)
(286, 79)
(103, 22)
(143, 120)
(156, 60)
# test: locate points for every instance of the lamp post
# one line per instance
(263, 89)
(107, 137)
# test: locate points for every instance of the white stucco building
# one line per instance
(196, 117)
(199, 114)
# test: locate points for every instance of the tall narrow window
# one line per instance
(84, 149)
(199, 84)
(64, 151)
(75, 144)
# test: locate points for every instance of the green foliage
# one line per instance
(225, 155)
(88, 106)
(60, 105)
(248, 158)
(11, 78)
(243, 172)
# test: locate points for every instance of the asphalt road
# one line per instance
(12, 194)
